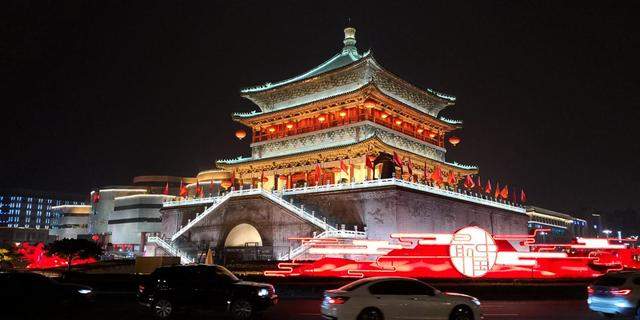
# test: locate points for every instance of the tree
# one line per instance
(73, 249)
(8, 257)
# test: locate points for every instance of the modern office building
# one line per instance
(20, 208)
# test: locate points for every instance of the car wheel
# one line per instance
(370, 314)
(163, 309)
(461, 313)
(241, 309)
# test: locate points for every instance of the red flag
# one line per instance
(452, 178)
(468, 182)
(523, 196)
(436, 175)
(318, 174)
(183, 190)
(369, 163)
(198, 189)
(410, 166)
(96, 197)
(343, 167)
(505, 192)
(165, 191)
(487, 189)
(396, 159)
(351, 170)
(497, 191)
(426, 171)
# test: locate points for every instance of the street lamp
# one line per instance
(607, 232)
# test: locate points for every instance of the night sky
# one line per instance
(96, 92)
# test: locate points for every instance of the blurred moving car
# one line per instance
(204, 287)
(397, 298)
(616, 293)
(25, 295)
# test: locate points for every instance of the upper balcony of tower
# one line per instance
(344, 73)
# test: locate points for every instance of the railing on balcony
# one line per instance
(171, 249)
(460, 194)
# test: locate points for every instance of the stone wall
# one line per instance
(393, 209)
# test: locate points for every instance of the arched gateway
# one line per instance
(243, 235)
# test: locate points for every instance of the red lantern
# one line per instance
(95, 237)
(240, 134)
(454, 140)
(226, 184)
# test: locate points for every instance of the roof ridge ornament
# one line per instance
(349, 41)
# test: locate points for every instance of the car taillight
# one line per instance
(590, 290)
(141, 288)
(337, 300)
(622, 292)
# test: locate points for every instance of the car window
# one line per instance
(354, 285)
(610, 281)
(222, 272)
(401, 287)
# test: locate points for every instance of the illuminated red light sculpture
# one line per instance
(37, 258)
(470, 252)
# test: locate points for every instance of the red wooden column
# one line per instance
(275, 182)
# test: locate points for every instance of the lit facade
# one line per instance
(346, 150)
(32, 209)
(70, 221)
(319, 127)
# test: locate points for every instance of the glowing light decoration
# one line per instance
(289, 125)
(37, 257)
(321, 118)
(454, 141)
(384, 116)
(420, 130)
(473, 252)
(240, 134)
(432, 134)
(342, 114)
(398, 122)
(470, 252)
(272, 129)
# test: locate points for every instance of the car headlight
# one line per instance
(263, 292)
(84, 291)
(476, 301)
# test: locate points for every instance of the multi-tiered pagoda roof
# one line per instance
(346, 108)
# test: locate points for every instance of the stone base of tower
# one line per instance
(255, 228)
(398, 210)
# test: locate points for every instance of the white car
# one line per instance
(396, 298)
(615, 294)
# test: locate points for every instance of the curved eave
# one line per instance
(230, 164)
(246, 118)
(445, 99)
(309, 74)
